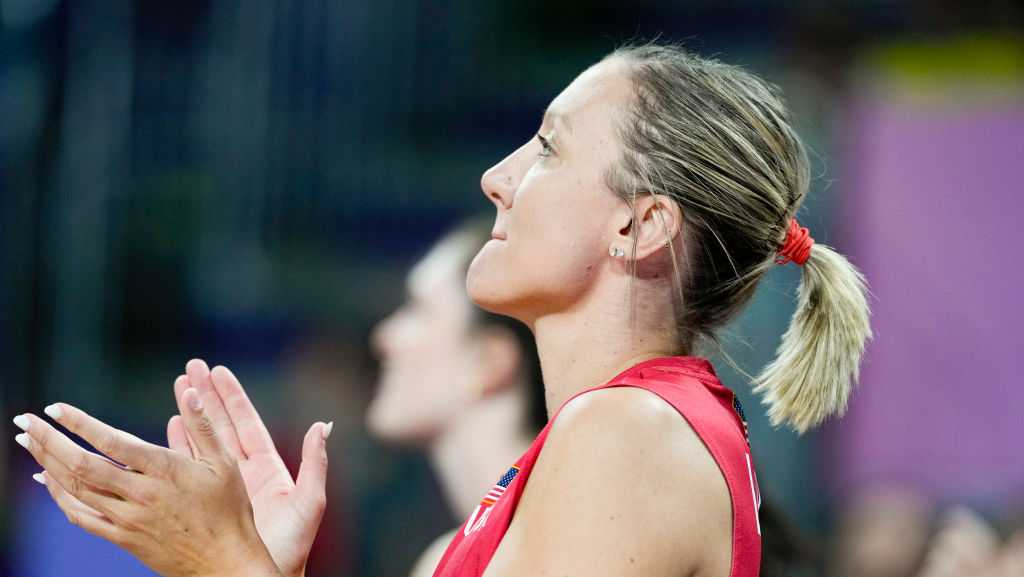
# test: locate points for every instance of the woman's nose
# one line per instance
(380, 337)
(498, 186)
(500, 181)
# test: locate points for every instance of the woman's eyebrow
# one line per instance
(558, 118)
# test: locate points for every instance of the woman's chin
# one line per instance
(486, 286)
(485, 296)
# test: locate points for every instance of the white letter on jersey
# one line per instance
(473, 523)
(755, 492)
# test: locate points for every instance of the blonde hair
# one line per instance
(718, 141)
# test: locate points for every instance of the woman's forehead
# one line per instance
(598, 90)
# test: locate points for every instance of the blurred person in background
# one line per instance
(968, 544)
(896, 532)
(462, 383)
(883, 532)
(659, 189)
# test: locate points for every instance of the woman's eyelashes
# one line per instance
(545, 147)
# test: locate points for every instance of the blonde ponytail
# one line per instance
(818, 361)
(718, 140)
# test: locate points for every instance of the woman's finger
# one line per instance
(199, 379)
(177, 438)
(42, 478)
(114, 443)
(311, 483)
(180, 384)
(105, 502)
(252, 433)
(82, 515)
(50, 447)
(199, 426)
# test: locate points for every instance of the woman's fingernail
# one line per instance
(194, 402)
(39, 478)
(22, 422)
(327, 429)
(22, 440)
(54, 411)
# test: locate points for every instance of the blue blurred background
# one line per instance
(249, 181)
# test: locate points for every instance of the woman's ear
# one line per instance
(623, 224)
(656, 221)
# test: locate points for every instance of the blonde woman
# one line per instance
(659, 189)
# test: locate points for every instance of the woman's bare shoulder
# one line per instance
(634, 419)
(617, 463)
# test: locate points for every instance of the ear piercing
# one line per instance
(616, 252)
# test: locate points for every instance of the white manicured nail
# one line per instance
(22, 422)
(39, 478)
(54, 411)
(22, 440)
(327, 429)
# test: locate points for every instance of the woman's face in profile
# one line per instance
(427, 366)
(556, 216)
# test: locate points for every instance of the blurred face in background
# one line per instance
(556, 217)
(430, 369)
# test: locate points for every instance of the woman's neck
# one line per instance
(589, 345)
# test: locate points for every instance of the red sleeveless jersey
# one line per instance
(687, 383)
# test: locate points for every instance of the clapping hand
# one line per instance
(219, 502)
(287, 511)
(181, 516)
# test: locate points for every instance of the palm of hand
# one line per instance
(286, 511)
(286, 523)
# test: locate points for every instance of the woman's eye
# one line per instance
(545, 147)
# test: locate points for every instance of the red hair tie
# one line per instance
(797, 247)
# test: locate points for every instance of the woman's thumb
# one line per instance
(312, 480)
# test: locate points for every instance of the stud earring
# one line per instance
(616, 252)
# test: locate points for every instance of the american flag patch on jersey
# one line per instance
(498, 489)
